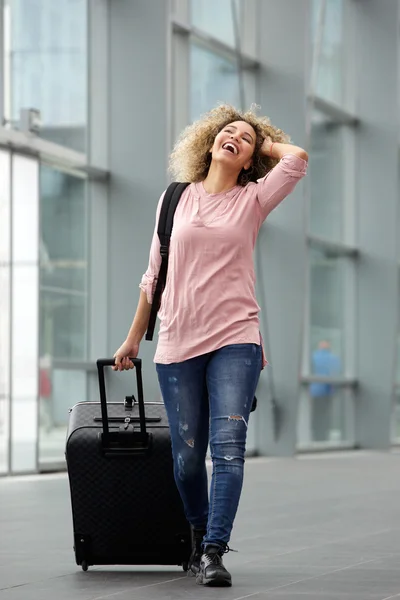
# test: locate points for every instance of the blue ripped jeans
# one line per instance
(208, 400)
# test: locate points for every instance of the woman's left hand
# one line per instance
(266, 147)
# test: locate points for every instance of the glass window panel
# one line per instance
(216, 18)
(214, 79)
(4, 365)
(62, 325)
(326, 178)
(24, 434)
(59, 390)
(330, 80)
(4, 330)
(5, 324)
(24, 360)
(25, 214)
(5, 206)
(63, 265)
(327, 315)
(24, 331)
(46, 66)
(326, 415)
(4, 433)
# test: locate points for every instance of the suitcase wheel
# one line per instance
(84, 565)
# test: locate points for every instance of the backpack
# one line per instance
(164, 229)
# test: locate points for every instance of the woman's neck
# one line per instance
(219, 180)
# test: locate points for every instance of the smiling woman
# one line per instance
(191, 157)
(209, 353)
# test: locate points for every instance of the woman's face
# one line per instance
(235, 144)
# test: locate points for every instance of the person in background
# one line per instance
(324, 364)
(209, 353)
(45, 393)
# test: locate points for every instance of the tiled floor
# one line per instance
(317, 528)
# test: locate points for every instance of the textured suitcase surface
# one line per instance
(126, 509)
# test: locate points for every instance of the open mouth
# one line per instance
(230, 147)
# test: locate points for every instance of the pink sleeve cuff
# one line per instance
(148, 286)
(291, 164)
(294, 165)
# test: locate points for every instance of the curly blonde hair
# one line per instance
(190, 159)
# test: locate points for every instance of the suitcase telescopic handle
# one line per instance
(110, 362)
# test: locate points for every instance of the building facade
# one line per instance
(114, 84)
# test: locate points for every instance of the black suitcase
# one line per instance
(126, 508)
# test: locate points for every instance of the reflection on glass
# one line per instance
(327, 418)
(326, 178)
(46, 66)
(216, 18)
(63, 304)
(214, 79)
(59, 390)
(326, 313)
(63, 265)
(331, 58)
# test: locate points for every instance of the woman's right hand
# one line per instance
(128, 349)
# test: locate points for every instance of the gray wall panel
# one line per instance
(377, 187)
(138, 71)
(282, 241)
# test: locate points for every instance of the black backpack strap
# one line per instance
(164, 230)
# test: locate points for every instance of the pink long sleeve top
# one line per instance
(209, 299)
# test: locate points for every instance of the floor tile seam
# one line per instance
(141, 587)
(286, 585)
(35, 582)
(285, 565)
(279, 532)
(97, 569)
(315, 546)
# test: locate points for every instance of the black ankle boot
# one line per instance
(197, 539)
(212, 571)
